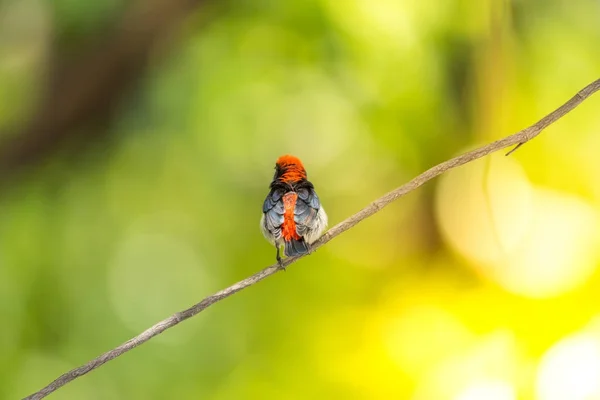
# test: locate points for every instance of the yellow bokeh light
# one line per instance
(485, 208)
(560, 252)
(486, 370)
(424, 336)
(534, 242)
(488, 390)
(571, 370)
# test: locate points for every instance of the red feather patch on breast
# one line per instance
(288, 229)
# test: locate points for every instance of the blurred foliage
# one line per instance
(480, 285)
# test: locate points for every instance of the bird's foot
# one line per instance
(280, 262)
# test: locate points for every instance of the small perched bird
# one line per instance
(292, 213)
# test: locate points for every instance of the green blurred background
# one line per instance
(138, 140)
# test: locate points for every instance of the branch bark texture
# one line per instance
(517, 139)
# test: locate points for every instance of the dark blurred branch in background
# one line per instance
(87, 89)
(517, 139)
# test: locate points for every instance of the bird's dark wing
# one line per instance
(307, 207)
(273, 210)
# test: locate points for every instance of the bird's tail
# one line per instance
(295, 247)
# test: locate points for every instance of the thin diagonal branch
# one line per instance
(518, 139)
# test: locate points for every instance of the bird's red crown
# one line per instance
(290, 169)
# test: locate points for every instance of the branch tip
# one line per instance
(515, 148)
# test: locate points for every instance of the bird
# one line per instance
(293, 216)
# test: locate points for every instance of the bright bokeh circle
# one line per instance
(533, 241)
